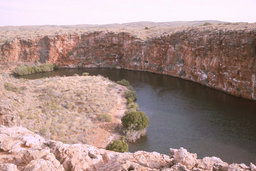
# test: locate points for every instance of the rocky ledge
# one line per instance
(21, 149)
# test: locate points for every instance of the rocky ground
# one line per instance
(21, 149)
(66, 109)
(142, 30)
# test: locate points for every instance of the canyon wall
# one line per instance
(220, 57)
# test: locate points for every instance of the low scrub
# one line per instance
(31, 69)
(11, 87)
(133, 107)
(125, 83)
(105, 117)
(85, 74)
(130, 96)
(135, 120)
(118, 146)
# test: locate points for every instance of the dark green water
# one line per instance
(186, 114)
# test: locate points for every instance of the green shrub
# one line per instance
(22, 70)
(125, 83)
(75, 74)
(135, 120)
(11, 87)
(130, 96)
(118, 146)
(45, 67)
(105, 117)
(133, 107)
(85, 74)
(29, 69)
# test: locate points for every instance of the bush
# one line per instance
(11, 87)
(125, 83)
(27, 69)
(23, 70)
(44, 68)
(105, 117)
(135, 120)
(133, 107)
(85, 74)
(130, 96)
(118, 146)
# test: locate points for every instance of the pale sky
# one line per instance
(70, 12)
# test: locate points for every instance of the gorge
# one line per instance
(221, 56)
(218, 56)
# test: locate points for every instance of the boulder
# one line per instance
(21, 149)
(182, 156)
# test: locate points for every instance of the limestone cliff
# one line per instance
(21, 149)
(218, 56)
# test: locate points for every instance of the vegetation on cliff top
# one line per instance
(31, 69)
(125, 83)
(104, 117)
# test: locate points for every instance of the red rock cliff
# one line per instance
(218, 57)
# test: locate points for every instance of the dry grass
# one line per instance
(74, 103)
(11, 87)
(61, 108)
(105, 117)
(142, 30)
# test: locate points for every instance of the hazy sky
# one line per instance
(61, 12)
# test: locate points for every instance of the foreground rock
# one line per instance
(21, 149)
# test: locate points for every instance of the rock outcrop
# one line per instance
(21, 149)
(218, 56)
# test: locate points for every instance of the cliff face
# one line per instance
(219, 57)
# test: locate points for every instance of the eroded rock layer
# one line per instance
(220, 56)
(21, 149)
